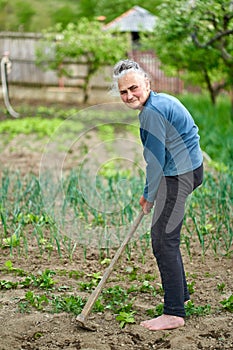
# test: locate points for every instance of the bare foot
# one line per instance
(163, 322)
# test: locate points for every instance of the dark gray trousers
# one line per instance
(165, 233)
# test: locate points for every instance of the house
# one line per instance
(134, 21)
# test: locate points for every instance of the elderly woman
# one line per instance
(173, 170)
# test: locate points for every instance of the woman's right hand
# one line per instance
(146, 206)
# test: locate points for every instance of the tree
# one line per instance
(113, 8)
(24, 13)
(49, 12)
(85, 41)
(195, 38)
(64, 15)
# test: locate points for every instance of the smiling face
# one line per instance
(134, 89)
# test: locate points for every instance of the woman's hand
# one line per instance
(146, 206)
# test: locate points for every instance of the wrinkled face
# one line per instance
(134, 89)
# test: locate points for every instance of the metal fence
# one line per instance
(159, 81)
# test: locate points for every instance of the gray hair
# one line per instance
(123, 67)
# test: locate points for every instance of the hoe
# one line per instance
(81, 318)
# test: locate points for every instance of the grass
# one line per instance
(215, 124)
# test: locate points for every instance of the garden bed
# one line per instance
(47, 274)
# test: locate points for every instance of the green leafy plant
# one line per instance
(227, 304)
(95, 278)
(36, 301)
(8, 284)
(9, 268)
(72, 304)
(191, 287)
(132, 273)
(44, 280)
(191, 309)
(221, 286)
(76, 41)
(116, 299)
(147, 287)
(155, 312)
(125, 318)
(12, 241)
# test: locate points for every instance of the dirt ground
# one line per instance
(42, 331)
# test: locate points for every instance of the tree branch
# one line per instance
(226, 56)
(212, 40)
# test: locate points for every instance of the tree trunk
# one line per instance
(86, 86)
(210, 87)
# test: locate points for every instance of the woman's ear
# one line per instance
(147, 84)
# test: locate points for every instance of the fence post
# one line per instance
(5, 70)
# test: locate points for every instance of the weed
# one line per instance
(191, 309)
(44, 280)
(132, 273)
(71, 304)
(9, 268)
(36, 301)
(221, 286)
(191, 287)
(95, 278)
(227, 304)
(98, 306)
(125, 317)
(116, 299)
(155, 312)
(8, 284)
(146, 287)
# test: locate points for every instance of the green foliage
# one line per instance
(117, 299)
(125, 317)
(12, 241)
(40, 126)
(64, 15)
(77, 42)
(221, 286)
(219, 117)
(62, 11)
(227, 304)
(95, 278)
(147, 287)
(24, 13)
(155, 312)
(37, 301)
(191, 287)
(191, 309)
(8, 267)
(8, 284)
(187, 33)
(71, 304)
(210, 207)
(44, 280)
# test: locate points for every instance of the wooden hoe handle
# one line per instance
(93, 297)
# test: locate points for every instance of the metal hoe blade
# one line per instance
(81, 318)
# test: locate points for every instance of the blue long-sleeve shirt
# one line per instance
(170, 140)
